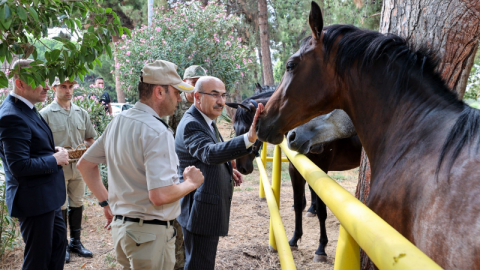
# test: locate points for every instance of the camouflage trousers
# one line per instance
(179, 247)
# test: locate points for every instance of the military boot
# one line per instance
(67, 254)
(75, 221)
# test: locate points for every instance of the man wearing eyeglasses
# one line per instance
(206, 211)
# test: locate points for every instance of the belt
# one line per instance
(153, 221)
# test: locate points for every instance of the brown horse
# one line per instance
(422, 142)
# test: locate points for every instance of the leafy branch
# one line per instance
(24, 22)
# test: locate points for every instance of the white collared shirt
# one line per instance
(29, 104)
(209, 123)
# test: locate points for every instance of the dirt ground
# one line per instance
(246, 246)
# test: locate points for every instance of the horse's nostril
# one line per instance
(242, 170)
(292, 136)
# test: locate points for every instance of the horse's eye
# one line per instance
(291, 66)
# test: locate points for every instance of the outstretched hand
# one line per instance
(252, 133)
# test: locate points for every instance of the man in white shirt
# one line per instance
(144, 192)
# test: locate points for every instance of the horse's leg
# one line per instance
(311, 212)
(304, 203)
(320, 255)
(298, 185)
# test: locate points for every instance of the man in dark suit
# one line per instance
(206, 211)
(35, 183)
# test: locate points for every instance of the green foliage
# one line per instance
(9, 234)
(289, 24)
(473, 85)
(24, 23)
(88, 99)
(186, 35)
(361, 13)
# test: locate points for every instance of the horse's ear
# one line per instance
(243, 106)
(232, 105)
(236, 105)
(258, 87)
(315, 19)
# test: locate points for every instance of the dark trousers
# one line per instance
(45, 241)
(200, 250)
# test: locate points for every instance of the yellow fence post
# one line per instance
(276, 180)
(347, 256)
(261, 191)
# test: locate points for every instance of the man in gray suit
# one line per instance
(206, 211)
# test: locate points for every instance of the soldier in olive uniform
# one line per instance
(191, 76)
(70, 126)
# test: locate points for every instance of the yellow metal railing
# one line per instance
(386, 247)
(278, 237)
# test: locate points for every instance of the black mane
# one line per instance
(363, 50)
(243, 118)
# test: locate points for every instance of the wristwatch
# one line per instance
(103, 204)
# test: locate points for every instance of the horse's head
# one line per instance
(242, 121)
(320, 130)
(307, 88)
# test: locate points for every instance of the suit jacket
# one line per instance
(35, 183)
(206, 211)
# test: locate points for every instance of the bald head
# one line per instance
(207, 83)
(208, 96)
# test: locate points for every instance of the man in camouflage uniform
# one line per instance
(191, 76)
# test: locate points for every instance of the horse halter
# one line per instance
(254, 103)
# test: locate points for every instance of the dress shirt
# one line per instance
(29, 104)
(209, 123)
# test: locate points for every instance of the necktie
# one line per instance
(37, 113)
(216, 131)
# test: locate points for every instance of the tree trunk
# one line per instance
(450, 30)
(118, 85)
(363, 189)
(236, 97)
(265, 42)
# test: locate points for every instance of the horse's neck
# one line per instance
(391, 126)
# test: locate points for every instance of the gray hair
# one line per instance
(21, 63)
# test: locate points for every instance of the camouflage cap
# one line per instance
(193, 72)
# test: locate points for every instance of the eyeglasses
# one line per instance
(216, 95)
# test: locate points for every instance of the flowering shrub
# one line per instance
(186, 35)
